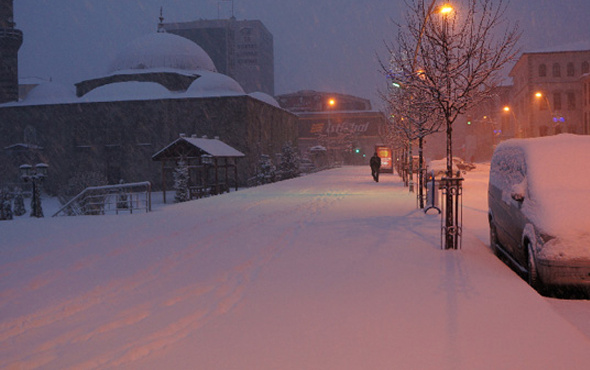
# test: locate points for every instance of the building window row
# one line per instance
(557, 103)
(247, 61)
(247, 46)
(556, 69)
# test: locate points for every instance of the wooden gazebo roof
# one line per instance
(193, 147)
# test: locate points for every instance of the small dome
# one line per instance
(214, 84)
(163, 50)
(265, 98)
(50, 93)
(132, 90)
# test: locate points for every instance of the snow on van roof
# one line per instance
(558, 199)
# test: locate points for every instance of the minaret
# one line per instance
(10, 41)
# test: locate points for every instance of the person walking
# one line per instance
(375, 163)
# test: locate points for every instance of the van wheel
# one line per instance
(493, 238)
(533, 274)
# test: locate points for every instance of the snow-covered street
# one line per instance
(326, 271)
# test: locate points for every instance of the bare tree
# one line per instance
(413, 117)
(454, 58)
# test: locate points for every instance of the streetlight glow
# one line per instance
(445, 9)
(539, 94)
(506, 109)
(332, 102)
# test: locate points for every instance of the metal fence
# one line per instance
(110, 199)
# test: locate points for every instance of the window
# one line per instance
(556, 101)
(542, 70)
(571, 101)
(585, 67)
(570, 69)
(556, 70)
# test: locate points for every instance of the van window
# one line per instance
(508, 168)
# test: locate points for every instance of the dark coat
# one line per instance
(375, 162)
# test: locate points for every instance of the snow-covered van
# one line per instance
(539, 208)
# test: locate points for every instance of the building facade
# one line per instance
(241, 49)
(346, 126)
(160, 86)
(548, 92)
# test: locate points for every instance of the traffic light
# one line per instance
(357, 150)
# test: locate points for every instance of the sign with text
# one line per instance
(360, 126)
(386, 155)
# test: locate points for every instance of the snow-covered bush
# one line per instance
(5, 205)
(266, 170)
(19, 203)
(181, 178)
(289, 167)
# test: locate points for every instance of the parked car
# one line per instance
(439, 168)
(463, 165)
(539, 209)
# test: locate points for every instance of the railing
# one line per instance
(110, 199)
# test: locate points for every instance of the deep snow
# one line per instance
(326, 271)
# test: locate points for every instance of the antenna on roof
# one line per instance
(232, 8)
(161, 24)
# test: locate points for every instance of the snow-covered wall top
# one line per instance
(209, 84)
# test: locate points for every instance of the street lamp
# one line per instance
(517, 128)
(331, 105)
(35, 175)
(444, 10)
(555, 118)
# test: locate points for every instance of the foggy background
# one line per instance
(324, 45)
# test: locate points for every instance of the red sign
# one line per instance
(386, 155)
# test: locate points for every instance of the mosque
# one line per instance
(159, 87)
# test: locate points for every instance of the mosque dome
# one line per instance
(50, 93)
(162, 50)
(214, 84)
(131, 90)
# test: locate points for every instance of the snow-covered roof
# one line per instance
(132, 90)
(213, 147)
(574, 46)
(265, 98)
(51, 93)
(214, 84)
(161, 50)
(208, 84)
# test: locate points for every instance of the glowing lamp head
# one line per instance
(506, 109)
(332, 102)
(539, 94)
(446, 9)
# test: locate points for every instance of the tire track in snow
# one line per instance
(229, 290)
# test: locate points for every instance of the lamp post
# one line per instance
(331, 104)
(451, 184)
(35, 175)
(554, 118)
(517, 127)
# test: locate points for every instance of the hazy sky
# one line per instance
(324, 45)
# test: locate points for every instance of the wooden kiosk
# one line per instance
(209, 162)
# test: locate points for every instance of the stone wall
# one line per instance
(118, 139)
